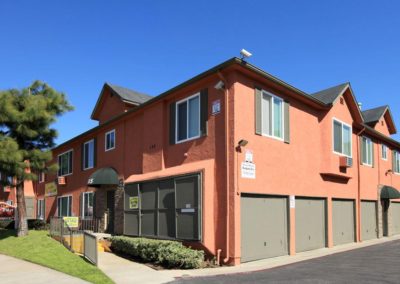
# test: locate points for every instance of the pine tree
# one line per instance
(26, 137)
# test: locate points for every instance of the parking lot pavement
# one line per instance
(374, 264)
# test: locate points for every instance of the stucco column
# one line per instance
(292, 231)
(379, 213)
(329, 230)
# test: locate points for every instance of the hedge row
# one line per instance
(170, 254)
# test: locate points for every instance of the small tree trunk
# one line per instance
(22, 229)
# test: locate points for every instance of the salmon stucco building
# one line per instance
(234, 161)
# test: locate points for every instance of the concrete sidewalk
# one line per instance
(125, 271)
(13, 270)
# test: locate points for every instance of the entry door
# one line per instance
(263, 227)
(111, 211)
(310, 224)
(368, 220)
(395, 217)
(343, 221)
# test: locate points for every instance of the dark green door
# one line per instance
(111, 211)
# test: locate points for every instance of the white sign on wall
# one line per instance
(292, 201)
(248, 170)
(216, 107)
(249, 156)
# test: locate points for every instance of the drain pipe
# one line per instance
(359, 184)
(226, 95)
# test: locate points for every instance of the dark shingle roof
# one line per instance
(373, 115)
(328, 96)
(129, 95)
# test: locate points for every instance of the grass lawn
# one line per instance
(39, 248)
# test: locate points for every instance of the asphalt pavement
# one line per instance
(374, 264)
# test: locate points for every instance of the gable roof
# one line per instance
(126, 95)
(328, 96)
(372, 116)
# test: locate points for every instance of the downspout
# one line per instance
(226, 95)
(359, 184)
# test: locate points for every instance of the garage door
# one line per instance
(310, 224)
(395, 217)
(263, 227)
(343, 221)
(368, 220)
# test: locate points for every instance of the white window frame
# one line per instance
(274, 97)
(105, 140)
(72, 166)
(69, 205)
(384, 149)
(39, 209)
(333, 138)
(396, 156)
(84, 154)
(41, 177)
(83, 205)
(187, 119)
(369, 145)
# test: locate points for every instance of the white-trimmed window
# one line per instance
(40, 209)
(188, 118)
(65, 163)
(396, 162)
(110, 140)
(87, 205)
(384, 150)
(64, 205)
(272, 115)
(341, 138)
(41, 177)
(88, 155)
(9, 202)
(367, 151)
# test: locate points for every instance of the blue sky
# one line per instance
(151, 46)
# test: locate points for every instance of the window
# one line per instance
(87, 205)
(384, 152)
(88, 155)
(367, 152)
(396, 162)
(272, 115)
(110, 140)
(188, 118)
(9, 202)
(65, 163)
(64, 204)
(41, 177)
(40, 209)
(341, 138)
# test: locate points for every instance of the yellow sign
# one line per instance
(50, 189)
(133, 202)
(72, 222)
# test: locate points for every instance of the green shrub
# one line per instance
(37, 224)
(170, 254)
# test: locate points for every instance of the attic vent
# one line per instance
(341, 101)
(382, 123)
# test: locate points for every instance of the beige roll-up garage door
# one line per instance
(264, 227)
(310, 224)
(395, 212)
(368, 220)
(343, 221)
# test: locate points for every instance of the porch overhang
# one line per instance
(103, 176)
(389, 192)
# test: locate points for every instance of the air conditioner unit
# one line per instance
(346, 162)
(61, 181)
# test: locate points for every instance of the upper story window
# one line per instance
(41, 177)
(396, 162)
(65, 163)
(110, 140)
(272, 115)
(341, 138)
(367, 151)
(384, 152)
(88, 155)
(188, 118)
